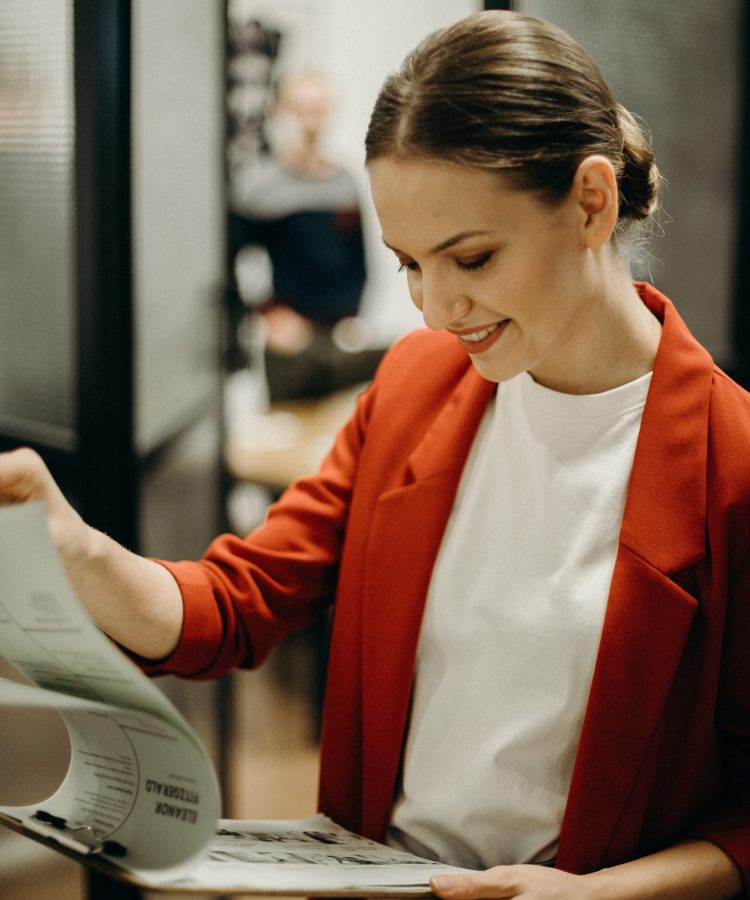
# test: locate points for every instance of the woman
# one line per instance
(534, 526)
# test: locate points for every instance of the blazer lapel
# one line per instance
(409, 522)
(648, 615)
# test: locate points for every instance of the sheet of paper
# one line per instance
(311, 855)
(138, 773)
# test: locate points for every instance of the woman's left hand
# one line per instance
(521, 881)
(697, 869)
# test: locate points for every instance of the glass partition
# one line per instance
(37, 318)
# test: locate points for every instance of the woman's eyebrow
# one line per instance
(444, 245)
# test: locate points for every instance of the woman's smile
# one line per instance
(476, 341)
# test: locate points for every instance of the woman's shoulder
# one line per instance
(730, 405)
(729, 417)
(729, 439)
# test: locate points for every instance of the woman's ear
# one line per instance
(596, 193)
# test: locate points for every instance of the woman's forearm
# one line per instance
(695, 870)
(690, 871)
(134, 600)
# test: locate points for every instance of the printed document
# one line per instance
(140, 791)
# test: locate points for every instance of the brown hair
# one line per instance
(515, 94)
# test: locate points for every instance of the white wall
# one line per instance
(356, 44)
(178, 209)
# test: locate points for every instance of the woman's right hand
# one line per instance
(134, 600)
(24, 478)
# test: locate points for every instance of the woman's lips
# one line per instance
(481, 339)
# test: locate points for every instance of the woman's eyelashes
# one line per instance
(472, 265)
(465, 265)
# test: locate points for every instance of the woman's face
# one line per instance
(504, 272)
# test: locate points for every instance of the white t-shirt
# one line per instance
(512, 625)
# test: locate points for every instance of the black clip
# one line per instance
(113, 848)
(49, 819)
(77, 836)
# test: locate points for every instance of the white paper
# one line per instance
(307, 855)
(138, 773)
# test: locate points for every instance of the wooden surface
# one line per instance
(290, 440)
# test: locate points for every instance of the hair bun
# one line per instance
(639, 179)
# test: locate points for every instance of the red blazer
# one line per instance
(665, 747)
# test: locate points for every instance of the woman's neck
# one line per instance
(618, 342)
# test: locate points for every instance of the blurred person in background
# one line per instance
(533, 530)
(304, 209)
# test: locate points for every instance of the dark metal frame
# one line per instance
(106, 463)
(741, 318)
(104, 307)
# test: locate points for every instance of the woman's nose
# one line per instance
(440, 305)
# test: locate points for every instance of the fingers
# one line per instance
(496, 882)
(23, 476)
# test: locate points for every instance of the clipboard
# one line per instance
(66, 841)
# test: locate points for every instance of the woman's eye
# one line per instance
(468, 265)
(472, 265)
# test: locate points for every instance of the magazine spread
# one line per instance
(140, 791)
